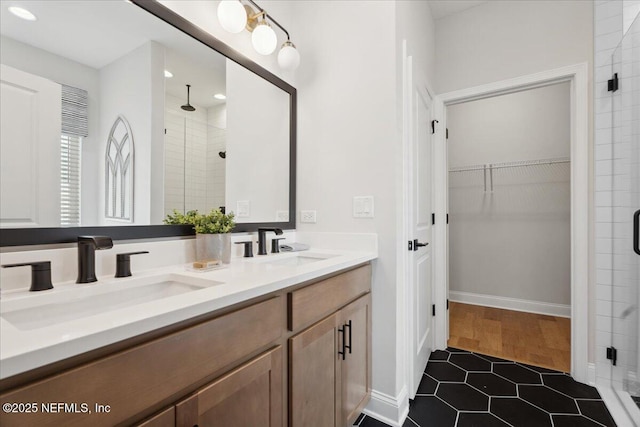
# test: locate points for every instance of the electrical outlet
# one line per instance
(308, 216)
(282, 216)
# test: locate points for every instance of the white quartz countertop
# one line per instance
(28, 342)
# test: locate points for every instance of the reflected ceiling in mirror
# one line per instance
(233, 153)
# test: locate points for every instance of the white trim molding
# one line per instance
(517, 304)
(388, 409)
(591, 374)
(577, 75)
(616, 408)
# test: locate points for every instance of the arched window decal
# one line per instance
(119, 172)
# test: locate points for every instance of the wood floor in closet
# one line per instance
(534, 339)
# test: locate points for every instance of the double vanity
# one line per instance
(283, 339)
(273, 340)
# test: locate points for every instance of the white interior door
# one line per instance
(420, 295)
(29, 150)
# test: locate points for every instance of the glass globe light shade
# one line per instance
(288, 57)
(264, 39)
(232, 16)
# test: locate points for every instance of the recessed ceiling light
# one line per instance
(219, 96)
(168, 74)
(22, 13)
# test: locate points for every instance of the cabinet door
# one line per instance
(248, 396)
(313, 362)
(355, 320)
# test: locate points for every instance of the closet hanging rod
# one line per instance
(510, 165)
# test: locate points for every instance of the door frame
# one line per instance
(578, 76)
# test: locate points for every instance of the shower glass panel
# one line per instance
(625, 208)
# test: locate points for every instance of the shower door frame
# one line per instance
(578, 76)
(622, 63)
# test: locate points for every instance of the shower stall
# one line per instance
(195, 166)
(625, 190)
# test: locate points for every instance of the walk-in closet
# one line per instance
(509, 199)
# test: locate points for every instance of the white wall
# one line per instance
(257, 141)
(133, 86)
(62, 70)
(514, 242)
(502, 39)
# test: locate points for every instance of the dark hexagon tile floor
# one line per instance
(464, 389)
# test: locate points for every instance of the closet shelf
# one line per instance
(518, 164)
(523, 163)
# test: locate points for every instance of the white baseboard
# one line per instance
(591, 374)
(388, 409)
(538, 307)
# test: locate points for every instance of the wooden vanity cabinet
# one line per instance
(330, 361)
(250, 395)
(230, 369)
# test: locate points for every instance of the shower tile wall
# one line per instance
(611, 17)
(194, 175)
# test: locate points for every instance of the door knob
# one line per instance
(417, 244)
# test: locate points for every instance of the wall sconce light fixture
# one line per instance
(234, 16)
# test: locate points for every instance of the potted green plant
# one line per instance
(213, 233)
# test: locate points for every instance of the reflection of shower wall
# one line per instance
(185, 157)
(216, 166)
(173, 160)
(196, 163)
(194, 173)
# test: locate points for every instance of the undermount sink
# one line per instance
(297, 259)
(73, 304)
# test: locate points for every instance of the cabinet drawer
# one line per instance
(311, 303)
(133, 381)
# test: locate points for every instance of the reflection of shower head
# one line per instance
(222, 154)
(187, 106)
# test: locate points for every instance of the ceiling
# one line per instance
(441, 8)
(96, 33)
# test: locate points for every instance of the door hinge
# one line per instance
(612, 354)
(433, 125)
(433, 309)
(433, 219)
(447, 134)
(612, 85)
(447, 218)
(447, 303)
(411, 245)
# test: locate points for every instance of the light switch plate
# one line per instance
(243, 209)
(282, 216)
(308, 216)
(363, 207)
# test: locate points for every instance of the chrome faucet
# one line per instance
(262, 238)
(87, 246)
